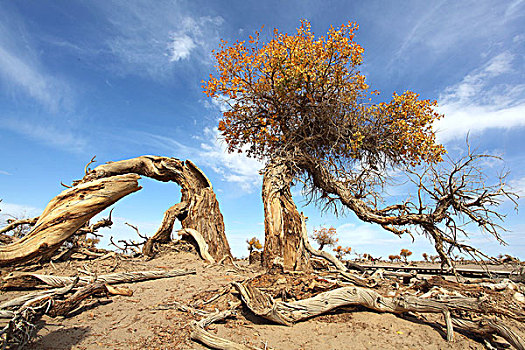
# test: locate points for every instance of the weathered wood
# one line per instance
(14, 224)
(201, 243)
(282, 222)
(198, 209)
(64, 215)
(199, 333)
(64, 307)
(288, 313)
(322, 254)
(19, 301)
(30, 280)
(6, 239)
(486, 326)
(163, 234)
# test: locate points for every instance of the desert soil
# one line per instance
(150, 319)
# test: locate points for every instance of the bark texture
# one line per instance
(287, 313)
(64, 215)
(282, 222)
(198, 208)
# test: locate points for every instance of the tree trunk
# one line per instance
(64, 215)
(198, 209)
(282, 221)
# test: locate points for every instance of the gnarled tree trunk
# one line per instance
(64, 215)
(198, 209)
(282, 221)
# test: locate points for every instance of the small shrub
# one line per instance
(325, 237)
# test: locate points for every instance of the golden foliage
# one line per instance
(253, 243)
(340, 252)
(307, 91)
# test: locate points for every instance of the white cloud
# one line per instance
(3, 172)
(150, 38)
(180, 47)
(234, 167)
(19, 211)
(444, 28)
(461, 120)
(364, 234)
(59, 137)
(22, 71)
(486, 98)
(518, 186)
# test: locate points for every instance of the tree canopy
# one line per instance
(298, 94)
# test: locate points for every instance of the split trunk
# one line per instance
(283, 243)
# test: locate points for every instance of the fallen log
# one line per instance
(64, 307)
(487, 326)
(287, 313)
(30, 280)
(64, 215)
(19, 301)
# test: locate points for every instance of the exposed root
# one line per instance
(199, 333)
(287, 313)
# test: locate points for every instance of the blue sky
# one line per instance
(119, 79)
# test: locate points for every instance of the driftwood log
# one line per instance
(64, 215)
(198, 208)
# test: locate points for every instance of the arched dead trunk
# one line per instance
(198, 209)
(64, 215)
(282, 221)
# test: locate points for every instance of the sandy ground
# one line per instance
(147, 320)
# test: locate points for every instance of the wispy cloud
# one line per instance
(486, 98)
(54, 136)
(518, 186)
(467, 23)
(181, 46)
(194, 34)
(3, 172)
(234, 168)
(22, 72)
(151, 38)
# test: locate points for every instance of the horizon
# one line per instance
(120, 80)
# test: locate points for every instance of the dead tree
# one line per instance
(197, 210)
(64, 215)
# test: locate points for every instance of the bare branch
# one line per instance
(86, 169)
